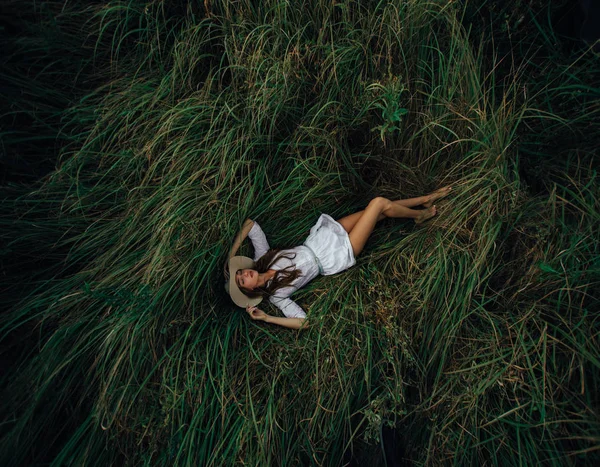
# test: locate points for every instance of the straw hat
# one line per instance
(239, 297)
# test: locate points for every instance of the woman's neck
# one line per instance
(266, 276)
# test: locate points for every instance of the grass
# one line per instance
(474, 336)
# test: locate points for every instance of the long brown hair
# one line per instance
(282, 278)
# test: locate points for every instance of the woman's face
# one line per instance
(246, 278)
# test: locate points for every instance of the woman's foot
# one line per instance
(437, 194)
(426, 214)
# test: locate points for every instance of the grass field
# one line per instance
(137, 136)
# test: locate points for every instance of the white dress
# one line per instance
(327, 250)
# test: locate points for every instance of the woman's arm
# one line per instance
(259, 315)
(242, 234)
(293, 323)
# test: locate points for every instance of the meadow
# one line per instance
(137, 136)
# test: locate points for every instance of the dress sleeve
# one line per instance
(288, 307)
(259, 241)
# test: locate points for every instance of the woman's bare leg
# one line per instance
(350, 221)
(412, 202)
(366, 223)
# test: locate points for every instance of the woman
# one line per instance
(331, 247)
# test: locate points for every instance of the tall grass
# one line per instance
(474, 335)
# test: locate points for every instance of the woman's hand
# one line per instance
(256, 314)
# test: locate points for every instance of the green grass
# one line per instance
(475, 335)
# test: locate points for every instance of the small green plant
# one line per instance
(376, 414)
(388, 97)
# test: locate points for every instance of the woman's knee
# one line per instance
(380, 202)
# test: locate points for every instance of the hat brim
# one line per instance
(239, 297)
